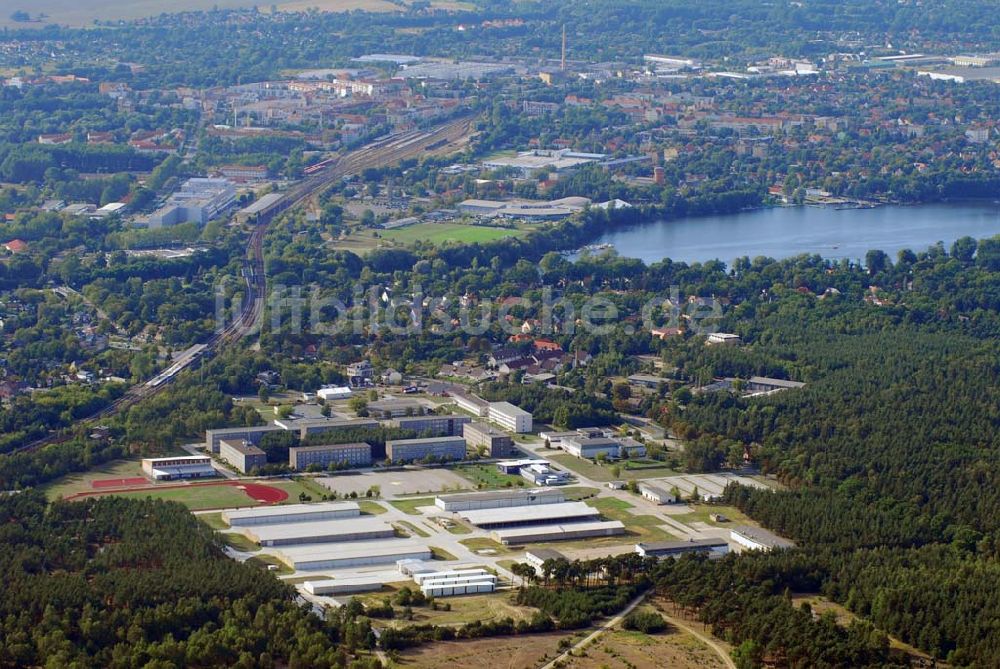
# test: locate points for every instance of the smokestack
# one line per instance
(659, 176)
(563, 66)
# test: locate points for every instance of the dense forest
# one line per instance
(126, 583)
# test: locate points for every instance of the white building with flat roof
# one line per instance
(758, 539)
(314, 557)
(357, 528)
(509, 417)
(538, 514)
(184, 467)
(291, 513)
(498, 499)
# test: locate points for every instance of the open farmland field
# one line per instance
(521, 651)
(85, 12)
(439, 233)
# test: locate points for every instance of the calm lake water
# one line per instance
(782, 232)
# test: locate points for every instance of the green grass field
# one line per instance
(239, 542)
(213, 520)
(488, 476)
(262, 562)
(196, 497)
(637, 470)
(81, 482)
(648, 528)
(441, 554)
(413, 529)
(483, 544)
(439, 233)
(410, 505)
(372, 508)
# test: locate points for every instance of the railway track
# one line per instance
(379, 153)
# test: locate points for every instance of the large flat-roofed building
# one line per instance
(664, 549)
(198, 200)
(758, 539)
(439, 448)
(515, 466)
(435, 426)
(497, 444)
(543, 474)
(185, 467)
(475, 405)
(723, 339)
(393, 407)
(538, 514)
(322, 531)
(243, 455)
(344, 586)
(251, 435)
(498, 499)
(510, 417)
(347, 455)
(291, 513)
(313, 557)
(590, 447)
(312, 426)
(763, 384)
(541, 161)
(557, 532)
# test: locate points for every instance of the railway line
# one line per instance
(379, 153)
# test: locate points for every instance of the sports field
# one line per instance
(439, 233)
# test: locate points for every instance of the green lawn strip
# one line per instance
(647, 527)
(409, 505)
(482, 543)
(213, 520)
(239, 542)
(441, 554)
(262, 561)
(371, 508)
(413, 528)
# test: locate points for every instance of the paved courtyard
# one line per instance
(394, 484)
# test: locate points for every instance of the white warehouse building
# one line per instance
(313, 557)
(292, 513)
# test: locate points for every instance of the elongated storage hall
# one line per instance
(540, 514)
(540, 533)
(292, 513)
(321, 531)
(433, 590)
(352, 554)
(498, 499)
(343, 586)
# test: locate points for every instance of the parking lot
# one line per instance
(396, 483)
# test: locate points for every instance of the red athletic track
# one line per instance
(264, 494)
(114, 483)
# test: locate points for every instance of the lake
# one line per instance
(781, 232)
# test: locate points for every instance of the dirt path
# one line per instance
(612, 622)
(705, 639)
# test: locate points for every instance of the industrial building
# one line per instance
(515, 466)
(656, 494)
(758, 539)
(351, 455)
(499, 499)
(528, 164)
(544, 475)
(322, 531)
(312, 557)
(664, 549)
(723, 339)
(510, 417)
(410, 450)
(186, 467)
(538, 514)
(523, 209)
(455, 582)
(435, 426)
(763, 384)
(559, 532)
(480, 435)
(198, 200)
(242, 455)
(251, 435)
(261, 206)
(343, 586)
(591, 447)
(331, 393)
